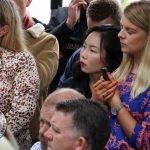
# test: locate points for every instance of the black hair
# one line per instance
(110, 42)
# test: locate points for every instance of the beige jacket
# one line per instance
(45, 49)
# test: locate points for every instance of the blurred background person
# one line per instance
(19, 79)
(45, 50)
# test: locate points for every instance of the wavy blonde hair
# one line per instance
(9, 15)
(138, 14)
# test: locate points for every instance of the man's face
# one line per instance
(60, 135)
(91, 23)
(45, 116)
(22, 4)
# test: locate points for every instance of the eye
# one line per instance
(93, 51)
(41, 121)
(55, 129)
(48, 124)
(130, 32)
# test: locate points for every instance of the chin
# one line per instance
(48, 148)
(44, 147)
(84, 70)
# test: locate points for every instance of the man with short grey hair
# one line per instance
(47, 111)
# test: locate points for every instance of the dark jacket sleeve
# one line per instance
(62, 32)
(57, 25)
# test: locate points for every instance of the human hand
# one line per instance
(74, 12)
(106, 91)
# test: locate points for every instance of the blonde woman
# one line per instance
(130, 102)
(19, 80)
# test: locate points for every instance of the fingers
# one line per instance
(77, 3)
(105, 90)
(109, 93)
(74, 12)
(97, 83)
(73, 2)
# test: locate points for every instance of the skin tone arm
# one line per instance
(107, 91)
(74, 12)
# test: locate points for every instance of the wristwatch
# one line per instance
(116, 109)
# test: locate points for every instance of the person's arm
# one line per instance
(45, 49)
(47, 61)
(62, 32)
(58, 16)
(138, 134)
(127, 122)
(74, 12)
(25, 93)
(65, 29)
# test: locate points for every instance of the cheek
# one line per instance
(95, 64)
(136, 46)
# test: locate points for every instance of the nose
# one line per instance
(48, 134)
(83, 54)
(43, 129)
(121, 34)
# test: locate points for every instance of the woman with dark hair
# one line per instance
(101, 48)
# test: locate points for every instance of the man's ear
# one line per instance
(28, 3)
(4, 30)
(81, 144)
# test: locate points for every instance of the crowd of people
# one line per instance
(53, 93)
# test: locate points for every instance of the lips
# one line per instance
(82, 64)
(49, 147)
(123, 44)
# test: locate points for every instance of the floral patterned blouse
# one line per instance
(139, 108)
(19, 91)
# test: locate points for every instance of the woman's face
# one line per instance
(132, 38)
(90, 55)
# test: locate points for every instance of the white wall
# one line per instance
(40, 9)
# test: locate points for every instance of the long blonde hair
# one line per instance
(138, 13)
(9, 15)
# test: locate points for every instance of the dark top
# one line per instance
(69, 39)
(80, 84)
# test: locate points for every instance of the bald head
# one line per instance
(62, 94)
(48, 109)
